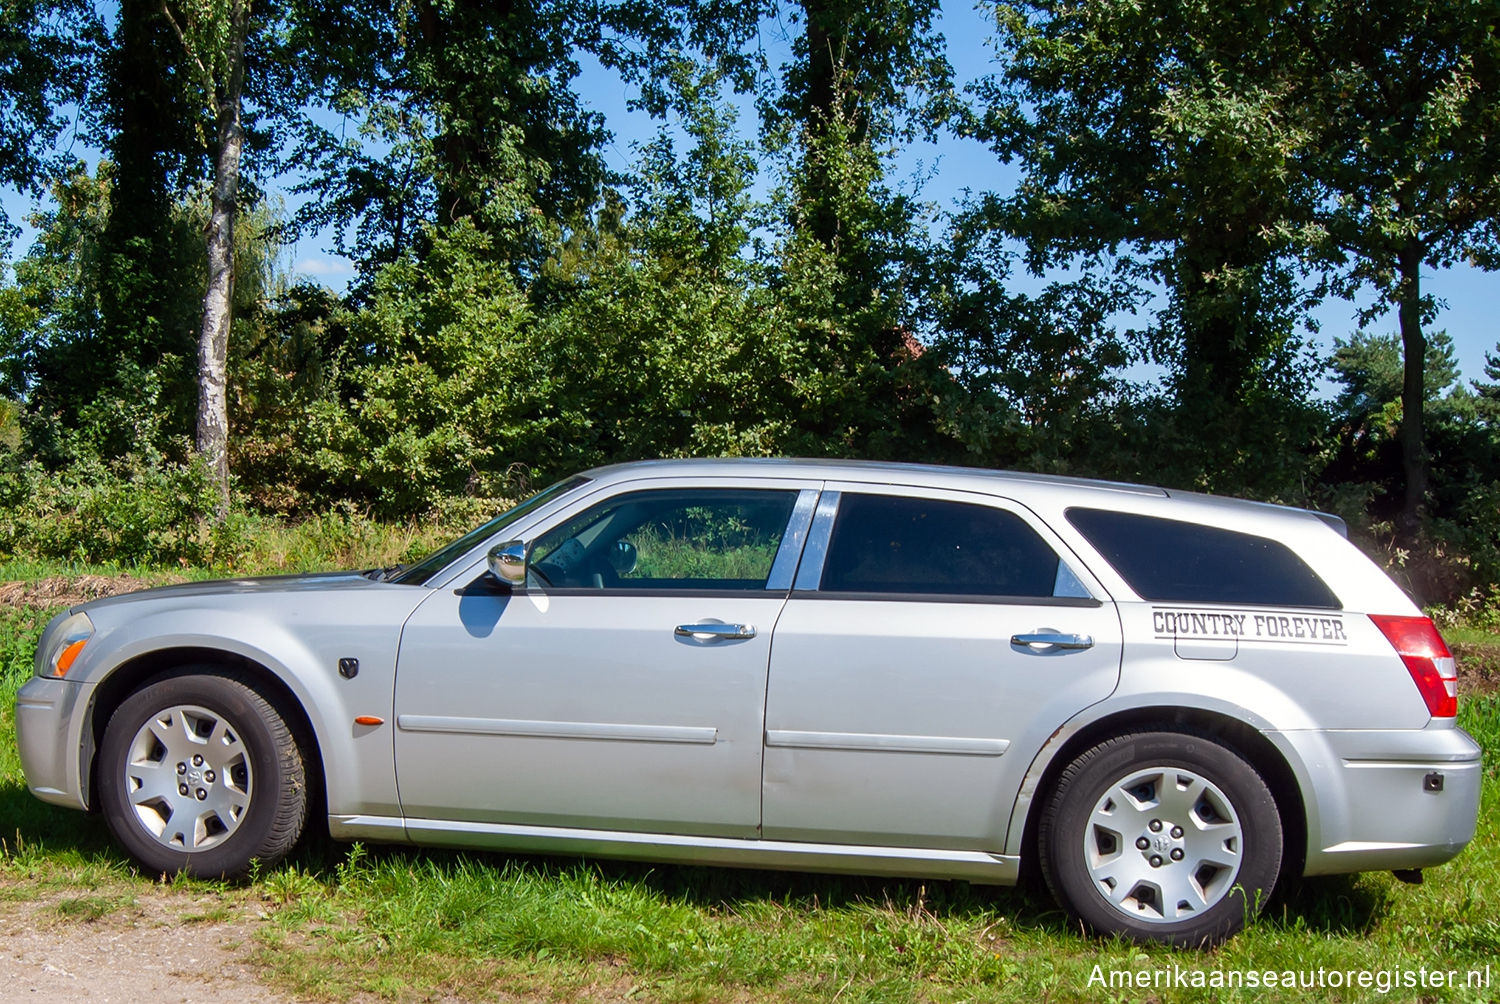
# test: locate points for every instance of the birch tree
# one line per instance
(212, 33)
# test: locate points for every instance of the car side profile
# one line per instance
(1168, 702)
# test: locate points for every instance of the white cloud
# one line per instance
(325, 268)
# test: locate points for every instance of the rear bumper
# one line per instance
(1381, 800)
(50, 735)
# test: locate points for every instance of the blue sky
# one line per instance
(950, 167)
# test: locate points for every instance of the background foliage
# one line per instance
(1194, 178)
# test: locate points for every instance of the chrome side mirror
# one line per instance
(507, 562)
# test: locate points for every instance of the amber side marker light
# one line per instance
(67, 657)
(1432, 667)
(368, 720)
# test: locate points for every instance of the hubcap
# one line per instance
(1163, 844)
(187, 775)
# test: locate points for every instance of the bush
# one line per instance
(134, 510)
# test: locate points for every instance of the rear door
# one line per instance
(933, 642)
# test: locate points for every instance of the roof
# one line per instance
(938, 476)
(856, 470)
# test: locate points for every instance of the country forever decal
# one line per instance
(1249, 625)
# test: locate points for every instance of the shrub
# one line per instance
(133, 510)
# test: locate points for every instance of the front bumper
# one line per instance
(1381, 800)
(51, 735)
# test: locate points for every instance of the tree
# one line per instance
(1240, 144)
(127, 262)
(1152, 139)
(1460, 545)
(1040, 373)
(662, 338)
(1487, 392)
(444, 110)
(875, 73)
(46, 65)
(146, 273)
(212, 34)
(862, 79)
(53, 300)
(1404, 144)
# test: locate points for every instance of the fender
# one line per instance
(1133, 710)
(358, 763)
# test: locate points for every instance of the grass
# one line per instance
(402, 924)
(1463, 635)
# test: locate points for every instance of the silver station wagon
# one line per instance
(1168, 702)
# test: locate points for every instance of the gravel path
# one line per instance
(151, 951)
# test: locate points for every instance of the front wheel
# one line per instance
(1161, 837)
(198, 773)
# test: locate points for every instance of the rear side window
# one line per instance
(894, 544)
(1168, 560)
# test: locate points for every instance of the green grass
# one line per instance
(1470, 636)
(259, 545)
(409, 925)
(663, 557)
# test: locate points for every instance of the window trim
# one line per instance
(808, 583)
(696, 592)
(1002, 601)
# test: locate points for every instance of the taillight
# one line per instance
(1427, 658)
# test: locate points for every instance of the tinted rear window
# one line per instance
(896, 544)
(1168, 560)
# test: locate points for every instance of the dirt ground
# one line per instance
(165, 947)
(67, 590)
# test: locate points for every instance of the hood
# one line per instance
(316, 582)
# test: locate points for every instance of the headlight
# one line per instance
(63, 645)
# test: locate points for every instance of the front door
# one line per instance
(624, 686)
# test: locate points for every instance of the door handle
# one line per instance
(715, 632)
(1052, 639)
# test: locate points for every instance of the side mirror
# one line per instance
(622, 557)
(507, 562)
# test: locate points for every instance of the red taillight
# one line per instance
(1427, 658)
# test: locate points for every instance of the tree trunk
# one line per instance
(1413, 395)
(213, 342)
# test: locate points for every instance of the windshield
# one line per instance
(435, 562)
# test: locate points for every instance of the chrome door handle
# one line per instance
(715, 632)
(1053, 639)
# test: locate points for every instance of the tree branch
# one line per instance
(206, 78)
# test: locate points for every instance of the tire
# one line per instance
(1161, 837)
(199, 774)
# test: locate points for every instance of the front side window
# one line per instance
(1168, 560)
(700, 538)
(898, 545)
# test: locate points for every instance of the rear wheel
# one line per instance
(198, 773)
(1161, 837)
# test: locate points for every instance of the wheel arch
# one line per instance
(1235, 734)
(134, 673)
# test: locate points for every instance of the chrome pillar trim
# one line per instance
(810, 571)
(785, 565)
